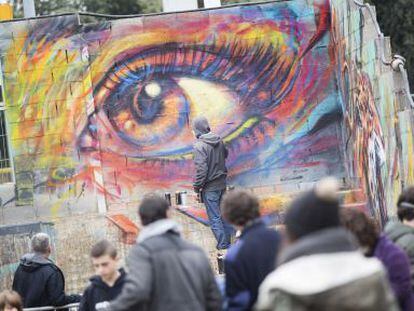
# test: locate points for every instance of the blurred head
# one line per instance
(363, 227)
(405, 206)
(40, 243)
(200, 126)
(104, 259)
(315, 210)
(240, 207)
(10, 301)
(152, 208)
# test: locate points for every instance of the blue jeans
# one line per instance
(221, 229)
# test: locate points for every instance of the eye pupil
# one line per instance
(153, 89)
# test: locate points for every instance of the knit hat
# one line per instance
(314, 210)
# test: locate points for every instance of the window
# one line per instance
(200, 4)
(6, 171)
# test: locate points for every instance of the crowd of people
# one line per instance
(326, 258)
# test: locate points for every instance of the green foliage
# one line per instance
(112, 7)
(118, 7)
(396, 18)
(151, 6)
(45, 7)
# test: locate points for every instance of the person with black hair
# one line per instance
(402, 232)
(165, 272)
(253, 256)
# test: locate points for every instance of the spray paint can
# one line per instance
(177, 198)
(183, 195)
(167, 196)
(200, 197)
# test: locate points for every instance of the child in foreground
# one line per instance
(10, 301)
(108, 282)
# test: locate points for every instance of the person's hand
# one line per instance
(102, 306)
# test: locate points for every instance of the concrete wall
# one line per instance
(378, 118)
(99, 114)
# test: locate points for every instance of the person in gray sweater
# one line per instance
(164, 271)
(210, 156)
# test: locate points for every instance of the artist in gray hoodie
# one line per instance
(164, 271)
(210, 177)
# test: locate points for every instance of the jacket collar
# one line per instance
(251, 225)
(157, 228)
(309, 275)
(331, 240)
(35, 259)
(97, 280)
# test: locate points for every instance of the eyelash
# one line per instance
(212, 62)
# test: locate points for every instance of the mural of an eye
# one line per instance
(116, 106)
(148, 98)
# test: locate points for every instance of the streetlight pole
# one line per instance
(29, 8)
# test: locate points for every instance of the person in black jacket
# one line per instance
(253, 256)
(38, 280)
(210, 161)
(164, 271)
(108, 282)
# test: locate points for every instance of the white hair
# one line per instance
(40, 243)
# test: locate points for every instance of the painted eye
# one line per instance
(148, 99)
(154, 117)
(147, 114)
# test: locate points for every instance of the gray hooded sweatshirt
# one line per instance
(210, 156)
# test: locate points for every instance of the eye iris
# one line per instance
(147, 114)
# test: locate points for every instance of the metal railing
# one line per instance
(70, 307)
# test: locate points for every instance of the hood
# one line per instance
(97, 280)
(326, 241)
(320, 273)
(395, 230)
(210, 138)
(200, 126)
(33, 261)
(158, 227)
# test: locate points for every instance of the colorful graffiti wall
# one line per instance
(99, 114)
(378, 135)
